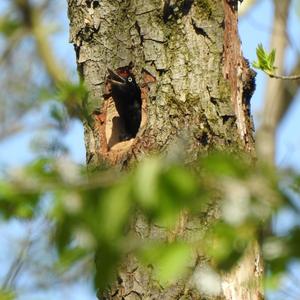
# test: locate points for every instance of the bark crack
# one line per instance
(145, 12)
(200, 30)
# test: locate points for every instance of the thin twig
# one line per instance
(16, 265)
(289, 77)
(12, 43)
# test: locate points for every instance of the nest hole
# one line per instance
(114, 129)
(112, 136)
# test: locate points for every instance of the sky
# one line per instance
(254, 28)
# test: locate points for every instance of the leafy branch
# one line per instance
(265, 62)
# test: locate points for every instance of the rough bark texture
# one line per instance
(196, 88)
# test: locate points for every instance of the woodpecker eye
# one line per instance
(129, 79)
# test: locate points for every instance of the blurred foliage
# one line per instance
(6, 295)
(9, 26)
(90, 217)
(94, 215)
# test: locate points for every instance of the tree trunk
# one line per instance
(196, 88)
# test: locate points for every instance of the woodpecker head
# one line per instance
(123, 79)
(120, 79)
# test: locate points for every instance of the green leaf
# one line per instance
(59, 114)
(63, 233)
(107, 258)
(69, 257)
(146, 180)
(177, 189)
(265, 61)
(272, 57)
(225, 243)
(9, 26)
(225, 164)
(114, 211)
(256, 65)
(7, 295)
(273, 280)
(181, 182)
(73, 96)
(169, 261)
(260, 52)
(69, 91)
(17, 202)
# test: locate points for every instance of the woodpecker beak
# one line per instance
(115, 79)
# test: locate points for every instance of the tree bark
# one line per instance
(196, 88)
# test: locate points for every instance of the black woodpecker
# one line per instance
(127, 98)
